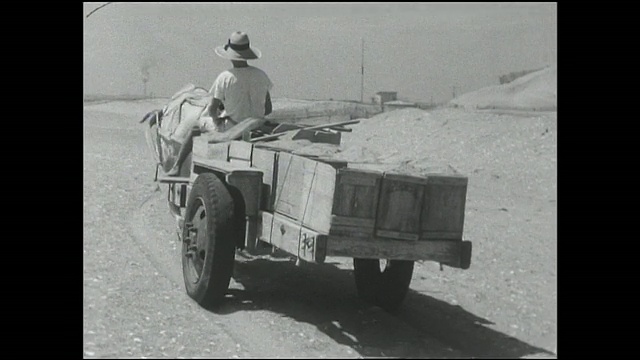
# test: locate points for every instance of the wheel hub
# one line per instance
(195, 242)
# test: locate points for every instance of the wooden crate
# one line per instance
(443, 210)
(401, 199)
(355, 202)
(421, 208)
(329, 198)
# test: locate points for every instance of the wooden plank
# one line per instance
(265, 226)
(441, 235)
(453, 180)
(285, 127)
(293, 238)
(318, 136)
(240, 150)
(266, 160)
(444, 207)
(350, 176)
(366, 201)
(400, 205)
(343, 199)
(322, 126)
(397, 235)
(338, 220)
(337, 164)
(391, 176)
(219, 165)
(440, 251)
(240, 162)
(210, 151)
(305, 191)
(352, 231)
(294, 180)
(319, 198)
(357, 193)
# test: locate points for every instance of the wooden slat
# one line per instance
(439, 251)
(338, 220)
(441, 235)
(397, 235)
(322, 126)
(240, 162)
(366, 201)
(358, 177)
(337, 164)
(293, 238)
(265, 225)
(444, 207)
(391, 176)
(343, 199)
(352, 231)
(317, 136)
(240, 150)
(453, 180)
(357, 193)
(294, 181)
(210, 151)
(294, 176)
(218, 165)
(400, 205)
(318, 200)
(266, 160)
(286, 127)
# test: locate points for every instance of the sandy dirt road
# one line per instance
(135, 304)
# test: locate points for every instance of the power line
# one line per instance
(98, 8)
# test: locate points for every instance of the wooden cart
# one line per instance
(243, 195)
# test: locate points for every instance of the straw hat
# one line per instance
(238, 48)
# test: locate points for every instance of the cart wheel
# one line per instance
(386, 287)
(208, 247)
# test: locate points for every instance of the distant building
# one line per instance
(397, 104)
(385, 96)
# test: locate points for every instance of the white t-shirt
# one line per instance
(243, 92)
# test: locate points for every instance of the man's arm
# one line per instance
(235, 132)
(267, 105)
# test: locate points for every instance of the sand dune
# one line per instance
(537, 91)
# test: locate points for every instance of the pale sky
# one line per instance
(313, 50)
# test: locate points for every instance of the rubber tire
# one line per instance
(385, 288)
(210, 288)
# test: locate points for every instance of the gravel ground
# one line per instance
(504, 306)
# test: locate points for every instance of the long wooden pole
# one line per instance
(316, 127)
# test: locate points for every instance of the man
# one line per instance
(243, 91)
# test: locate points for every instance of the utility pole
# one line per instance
(454, 91)
(362, 74)
(145, 78)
